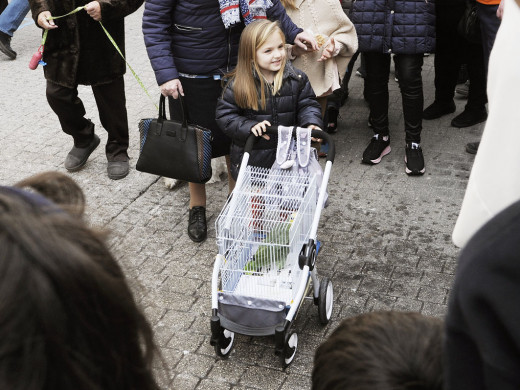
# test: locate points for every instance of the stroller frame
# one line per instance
(299, 243)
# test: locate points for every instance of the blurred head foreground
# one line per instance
(67, 317)
(381, 351)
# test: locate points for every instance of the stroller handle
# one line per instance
(273, 130)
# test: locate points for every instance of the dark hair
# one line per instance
(59, 188)
(381, 351)
(68, 319)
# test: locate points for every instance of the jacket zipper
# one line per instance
(229, 50)
(187, 28)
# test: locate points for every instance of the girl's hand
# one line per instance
(260, 128)
(44, 22)
(328, 50)
(94, 10)
(172, 88)
(314, 127)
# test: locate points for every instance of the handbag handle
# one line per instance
(162, 116)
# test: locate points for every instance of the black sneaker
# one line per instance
(376, 150)
(5, 45)
(414, 159)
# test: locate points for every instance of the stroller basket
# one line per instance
(260, 235)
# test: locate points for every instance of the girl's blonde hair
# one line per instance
(289, 4)
(245, 87)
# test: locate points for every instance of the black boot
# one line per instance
(197, 227)
(5, 46)
(438, 109)
(469, 117)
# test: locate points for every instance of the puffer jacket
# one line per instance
(395, 26)
(293, 105)
(78, 51)
(190, 37)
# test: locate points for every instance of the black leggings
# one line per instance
(409, 67)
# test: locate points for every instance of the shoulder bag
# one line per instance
(174, 149)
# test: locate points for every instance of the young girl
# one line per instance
(264, 90)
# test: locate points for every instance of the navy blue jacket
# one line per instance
(395, 26)
(293, 105)
(190, 37)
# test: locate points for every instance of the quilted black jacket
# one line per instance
(293, 105)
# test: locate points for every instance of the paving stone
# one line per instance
(386, 236)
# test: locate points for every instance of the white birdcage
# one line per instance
(261, 231)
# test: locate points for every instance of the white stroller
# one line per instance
(266, 236)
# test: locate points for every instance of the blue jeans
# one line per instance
(13, 16)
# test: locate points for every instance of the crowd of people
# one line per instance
(242, 67)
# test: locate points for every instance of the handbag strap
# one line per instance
(162, 115)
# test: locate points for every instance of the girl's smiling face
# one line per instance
(270, 56)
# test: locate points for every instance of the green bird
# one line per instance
(271, 250)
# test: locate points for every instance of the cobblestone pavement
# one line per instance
(386, 236)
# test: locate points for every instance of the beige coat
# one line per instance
(325, 17)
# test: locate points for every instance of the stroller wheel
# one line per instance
(290, 349)
(325, 301)
(225, 344)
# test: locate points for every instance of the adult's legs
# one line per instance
(409, 67)
(13, 16)
(448, 48)
(10, 20)
(489, 24)
(377, 68)
(200, 97)
(111, 103)
(71, 113)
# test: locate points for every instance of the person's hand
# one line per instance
(172, 88)
(306, 41)
(260, 128)
(314, 127)
(328, 50)
(44, 22)
(94, 10)
(500, 10)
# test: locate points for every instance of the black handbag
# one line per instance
(174, 149)
(469, 24)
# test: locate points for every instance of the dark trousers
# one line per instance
(339, 96)
(111, 103)
(452, 51)
(3, 5)
(409, 67)
(489, 24)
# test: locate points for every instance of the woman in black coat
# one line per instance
(405, 28)
(191, 45)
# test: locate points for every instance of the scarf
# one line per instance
(249, 10)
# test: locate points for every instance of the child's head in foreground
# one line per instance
(381, 351)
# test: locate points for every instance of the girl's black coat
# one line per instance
(293, 105)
